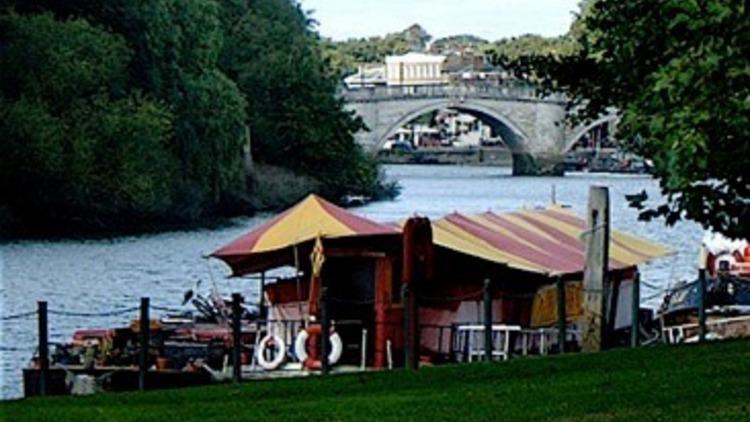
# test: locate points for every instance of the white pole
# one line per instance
(364, 349)
(389, 354)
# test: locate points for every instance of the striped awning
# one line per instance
(311, 218)
(547, 241)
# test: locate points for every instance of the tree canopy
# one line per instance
(678, 74)
(119, 112)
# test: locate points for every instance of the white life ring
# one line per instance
(300, 347)
(278, 359)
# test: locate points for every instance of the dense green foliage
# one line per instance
(697, 382)
(295, 119)
(120, 113)
(76, 146)
(507, 51)
(678, 72)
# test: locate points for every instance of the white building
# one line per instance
(415, 69)
(366, 77)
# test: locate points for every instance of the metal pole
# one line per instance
(325, 328)
(487, 320)
(145, 327)
(236, 337)
(263, 311)
(562, 315)
(702, 305)
(43, 348)
(407, 326)
(636, 308)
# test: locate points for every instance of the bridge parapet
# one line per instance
(462, 91)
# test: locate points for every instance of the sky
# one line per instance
(489, 19)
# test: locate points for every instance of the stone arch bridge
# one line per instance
(533, 128)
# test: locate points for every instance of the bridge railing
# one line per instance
(501, 91)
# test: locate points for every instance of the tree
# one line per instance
(75, 145)
(296, 119)
(678, 73)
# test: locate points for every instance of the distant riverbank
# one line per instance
(489, 156)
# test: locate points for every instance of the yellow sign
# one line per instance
(544, 308)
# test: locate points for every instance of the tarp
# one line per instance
(311, 218)
(545, 241)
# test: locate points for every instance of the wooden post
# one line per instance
(145, 328)
(236, 337)
(636, 307)
(43, 348)
(417, 270)
(597, 258)
(562, 315)
(702, 305)
(487, 320)
(406, 301)
(325, 328)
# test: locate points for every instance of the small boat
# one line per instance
(354, 200)
(727, 299)
(184, 350)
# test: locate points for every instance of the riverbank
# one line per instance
(485, 156)
(665, 383)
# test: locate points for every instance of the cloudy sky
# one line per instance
(489, 19)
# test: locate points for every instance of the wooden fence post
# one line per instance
(43, 348)
(702, 305)
(562, 315)
(145, 328)
(237, 337)
(325, 328)
(488, 320)
(636, 307)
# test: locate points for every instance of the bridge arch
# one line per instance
(583, 130)
(511, 133)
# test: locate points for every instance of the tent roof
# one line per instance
(547, 241)
(312, 217)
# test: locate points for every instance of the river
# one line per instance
(112, 274)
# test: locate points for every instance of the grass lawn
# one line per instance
(668, 383)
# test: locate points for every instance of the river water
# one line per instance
(108, 275)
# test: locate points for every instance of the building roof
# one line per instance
(547, 241)
(310, 218)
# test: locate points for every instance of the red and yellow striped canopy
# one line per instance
(544, 241)
(311, 218)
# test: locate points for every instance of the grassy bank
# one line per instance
(672, 383)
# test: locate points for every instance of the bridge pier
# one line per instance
(525, 164)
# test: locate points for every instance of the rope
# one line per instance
(16, 349)
(167, 309)
(93, 314)
(18, 316)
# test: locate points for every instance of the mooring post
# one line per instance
(262, 300)
(488, 320)
(596, 238)
(325, 329)
(702, 305)
(145, 328)
(405, 300)
(237, 337)
(43, 348)
(636, 307)
(562, 315)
